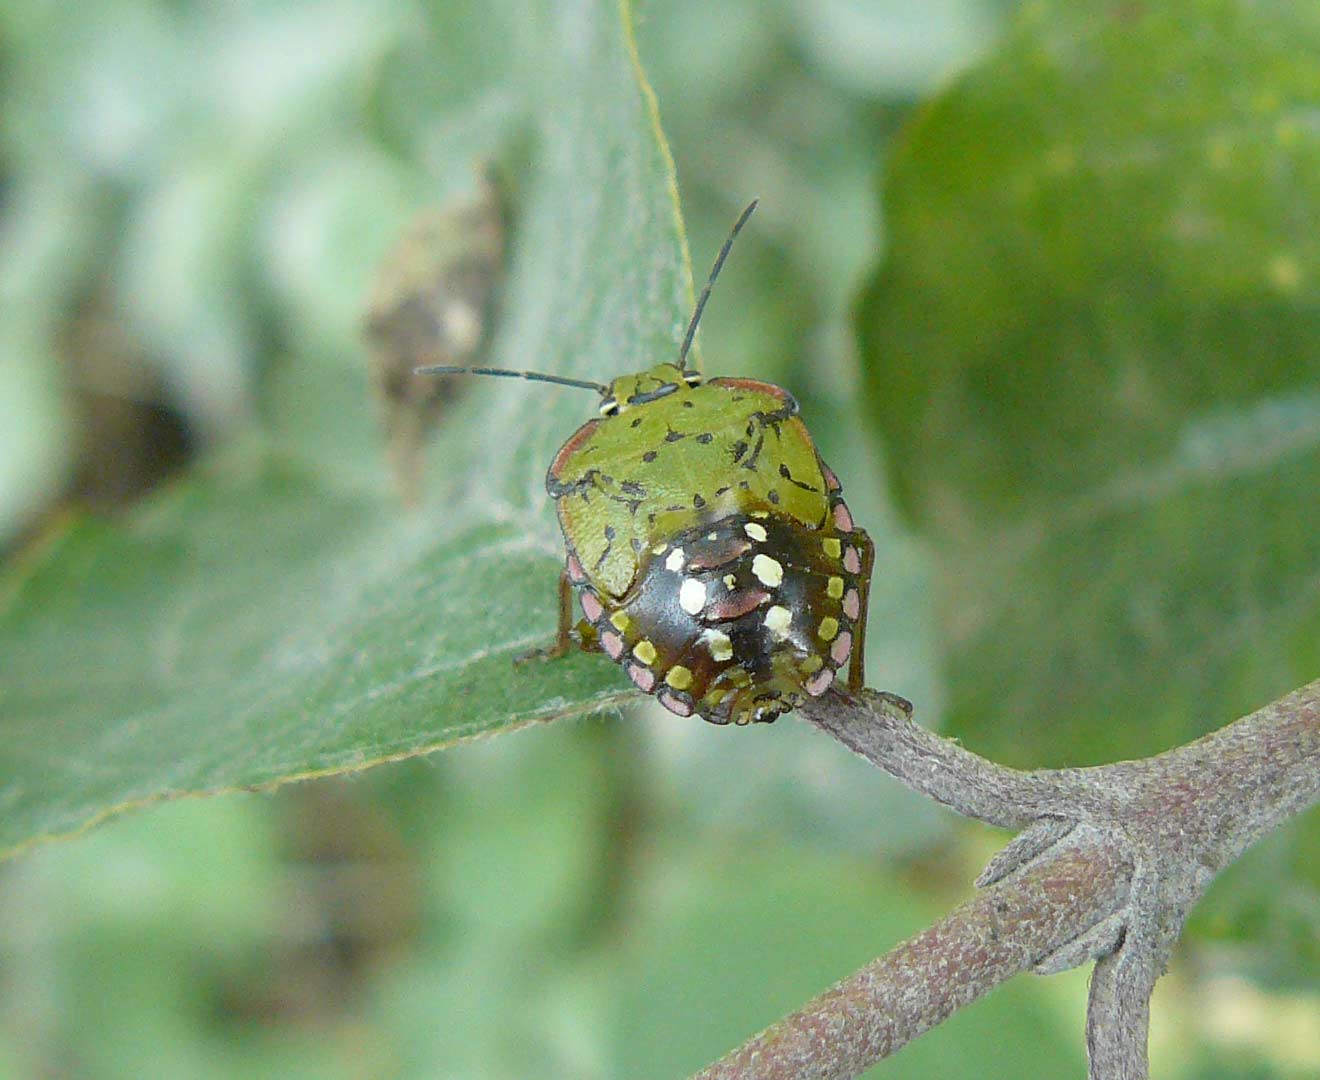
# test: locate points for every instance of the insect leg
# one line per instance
(564, 631)
(857, 665)
(566, 635)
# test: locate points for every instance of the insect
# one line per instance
(707, 543)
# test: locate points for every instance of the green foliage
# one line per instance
(541, 928)
(1093, 349)
(605, 899)
(259, 627)
(701, 944)
(1267, 905)
(254, 625)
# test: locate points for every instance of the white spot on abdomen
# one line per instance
(778, 620)
(767, 571)
(719, 644)
(692, 596)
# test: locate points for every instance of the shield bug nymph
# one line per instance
(707, 543)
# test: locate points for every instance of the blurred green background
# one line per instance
(1045, 281)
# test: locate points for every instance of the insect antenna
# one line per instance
(710, 284)
(508, 373)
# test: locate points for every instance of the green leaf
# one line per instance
(1094, 345)
(271, 619)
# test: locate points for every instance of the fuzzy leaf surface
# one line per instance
(276, 614)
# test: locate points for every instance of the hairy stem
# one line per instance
(1118, 1016)
(879, 728)
(1237, 784)
(1112, 861)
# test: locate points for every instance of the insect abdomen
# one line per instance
(737, 619)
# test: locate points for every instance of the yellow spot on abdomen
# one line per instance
(829, 627)
(834, 589)
(679, 677)
(620, 620)
(645, 652)
(833, 547)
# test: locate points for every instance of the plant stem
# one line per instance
(1112, 860)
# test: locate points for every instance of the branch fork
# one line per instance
(1107, 866)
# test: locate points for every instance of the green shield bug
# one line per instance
(708, 544)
